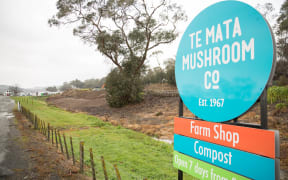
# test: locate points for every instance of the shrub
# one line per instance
(280, 106)
(123, 89)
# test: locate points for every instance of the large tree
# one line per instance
(125, 31)
(77, 83)
(283, 31)
(15, 90)
(281, 74)
(122, 29)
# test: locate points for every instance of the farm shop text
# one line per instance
(218, 133)
(236, 52)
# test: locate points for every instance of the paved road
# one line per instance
(11, 154)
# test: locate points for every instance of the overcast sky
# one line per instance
(34, 55)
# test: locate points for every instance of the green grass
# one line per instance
(58, 118)
(136, 155)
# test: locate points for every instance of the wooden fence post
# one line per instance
(55, 132)
(38, 123)
(44, 128)
(35, 122)
(82, 157)
(60, 142)
(67, 152)
(92, 164)
(48, 132)
(52, 135)
(117, 172)
(72, 150)
(104, 168)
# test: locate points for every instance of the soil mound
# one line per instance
(81, 94)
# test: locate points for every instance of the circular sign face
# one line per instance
(224, 61)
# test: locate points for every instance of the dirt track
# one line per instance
(154, 116)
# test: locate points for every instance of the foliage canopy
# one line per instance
(123, 30)
(281, 74)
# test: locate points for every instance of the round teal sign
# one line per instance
(224, 61)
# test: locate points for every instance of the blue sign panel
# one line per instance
(250, 165)
(224, 61)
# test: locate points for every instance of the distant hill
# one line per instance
(4, 88)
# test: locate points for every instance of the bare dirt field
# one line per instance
(154, 116)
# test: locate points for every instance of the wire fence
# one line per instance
(64, 144)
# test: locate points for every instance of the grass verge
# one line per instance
(137, 155)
